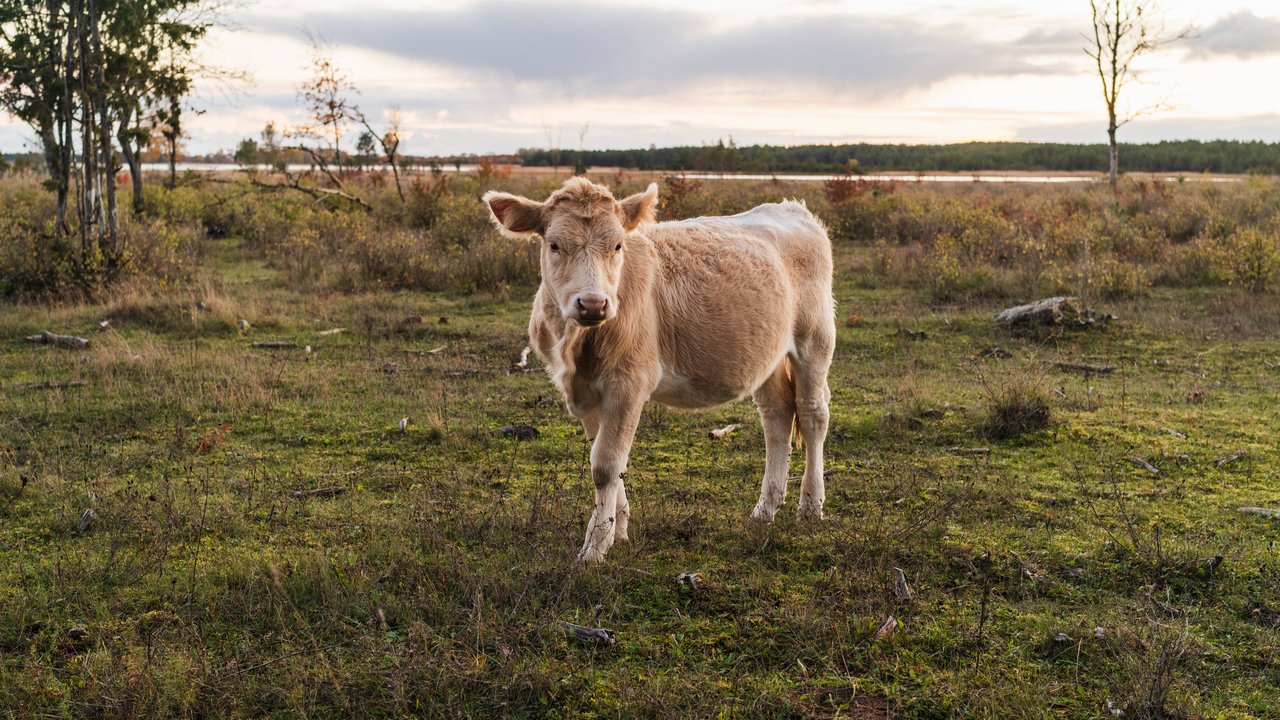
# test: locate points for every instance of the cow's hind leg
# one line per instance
(618, 421)
(813, 397)
(776, 400)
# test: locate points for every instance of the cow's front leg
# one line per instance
(623, 513)
(590, 422)
(619, 417)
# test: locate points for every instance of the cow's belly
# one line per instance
(719, 384)
(682, 391)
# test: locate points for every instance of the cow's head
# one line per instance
(584, 233)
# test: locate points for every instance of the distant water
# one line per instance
(913, 177)
(293, 167)
(880, 177)
(957, 178)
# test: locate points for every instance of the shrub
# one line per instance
(682, 198)
(37, 260)
(1014, 404)
(1250, 258)
(425, 201)
(842, 188)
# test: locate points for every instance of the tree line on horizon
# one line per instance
(1176, 156)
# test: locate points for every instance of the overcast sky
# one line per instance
(498, 75)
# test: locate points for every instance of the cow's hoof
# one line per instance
(809, 514)
(762, 516)
(591, 556)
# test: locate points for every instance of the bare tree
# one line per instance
(327, 97)
(1123, 31)
(388, 141)
(580, 166)
(553, 146)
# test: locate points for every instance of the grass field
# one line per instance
(155, 561)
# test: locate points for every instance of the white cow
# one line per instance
(691, 314)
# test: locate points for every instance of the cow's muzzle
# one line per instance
(590, 309)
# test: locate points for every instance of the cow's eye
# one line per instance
(555, 247)
(619, 247)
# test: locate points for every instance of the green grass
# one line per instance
(433, 585)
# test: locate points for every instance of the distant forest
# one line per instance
(1183, 156)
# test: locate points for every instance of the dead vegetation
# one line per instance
(159, 564)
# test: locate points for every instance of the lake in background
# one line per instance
(882, 177)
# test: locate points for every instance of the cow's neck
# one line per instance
(589, 352)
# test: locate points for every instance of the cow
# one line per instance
(691, 314)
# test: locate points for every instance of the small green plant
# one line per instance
(1014, 403)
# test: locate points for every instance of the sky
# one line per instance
(493, 76)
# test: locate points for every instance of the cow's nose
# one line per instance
(592, 307)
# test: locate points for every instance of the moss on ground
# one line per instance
(154, 561)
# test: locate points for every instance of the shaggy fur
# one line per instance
(693, 313)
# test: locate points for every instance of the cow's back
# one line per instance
(799, 237)
(731, 293)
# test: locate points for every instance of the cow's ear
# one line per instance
(515, 216)
(640, 208)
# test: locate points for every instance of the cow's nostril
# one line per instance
(592, 304)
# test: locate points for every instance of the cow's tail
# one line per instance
(797, 437)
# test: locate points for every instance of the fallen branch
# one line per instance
(589, 635)
(1050, 311)
(1139, 462)
(320, 492)
(690, 581)
(519, 432)
(334, 331)
(969, 451)
(51, 385)
(433, 351)
(274, 344)
(1175, 433)
(1227, 459)
(86, 519)
(726, 430)
(48, 338)
(900, 588)
(888, 629)
(1265, 512)
(1086, 369)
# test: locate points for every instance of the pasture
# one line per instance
(195, 525)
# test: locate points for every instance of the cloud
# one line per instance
(1052, 41)
(584, 49)
(1256, 127)
(1242, 35)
